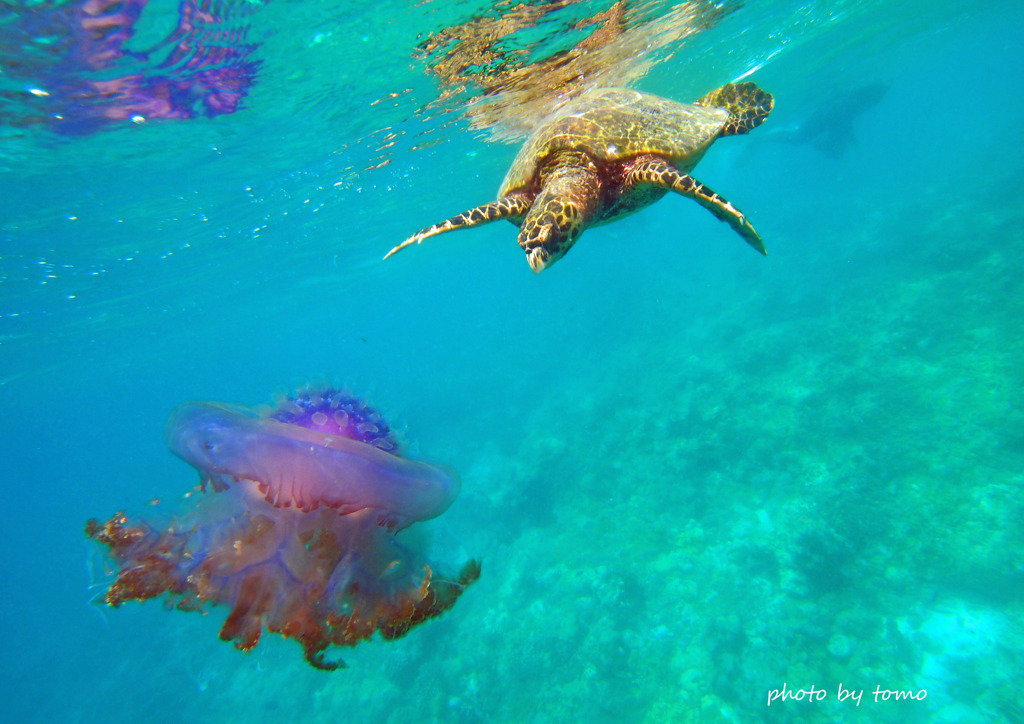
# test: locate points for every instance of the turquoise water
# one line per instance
(692, 474)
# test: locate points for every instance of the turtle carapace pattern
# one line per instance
(607, 154)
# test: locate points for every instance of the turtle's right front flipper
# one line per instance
(509, 207)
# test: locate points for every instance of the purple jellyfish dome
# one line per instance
(335, 412)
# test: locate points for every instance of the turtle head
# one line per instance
(567, 202)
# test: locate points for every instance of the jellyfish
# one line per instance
(293, 526)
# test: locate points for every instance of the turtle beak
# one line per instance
(537, 259)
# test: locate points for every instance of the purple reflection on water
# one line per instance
(79, 76)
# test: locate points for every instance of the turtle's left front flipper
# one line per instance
(663, 174)
(509, 207)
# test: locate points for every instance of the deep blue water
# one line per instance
(692, 474)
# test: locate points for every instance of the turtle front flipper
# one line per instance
(509, 207)
(665, 175)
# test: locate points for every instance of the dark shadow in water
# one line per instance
(830, 127)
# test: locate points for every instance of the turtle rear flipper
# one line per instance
(747, 104)
(509, 207)
(660, 173)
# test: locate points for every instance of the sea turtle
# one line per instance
(609, 153)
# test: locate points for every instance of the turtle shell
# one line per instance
(613, 125)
